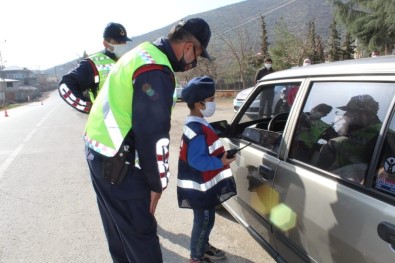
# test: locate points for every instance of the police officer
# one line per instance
(127, 138)
(357, 138)
(80, 86)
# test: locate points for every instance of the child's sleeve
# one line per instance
(199, 157)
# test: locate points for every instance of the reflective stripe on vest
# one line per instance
(103, 65)
(110, 118)
(215, 147)
(189, 184)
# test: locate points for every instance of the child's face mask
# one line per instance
(209, 110)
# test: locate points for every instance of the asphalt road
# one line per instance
(48, 211)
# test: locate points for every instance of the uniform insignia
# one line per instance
(147, 88)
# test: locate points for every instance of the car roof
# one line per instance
(384, 65)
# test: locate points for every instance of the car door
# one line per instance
(258, 127)
(335, 183)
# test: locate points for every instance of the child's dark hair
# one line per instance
(191, 106)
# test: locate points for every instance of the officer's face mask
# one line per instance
(120, 49)
(184, 66)
(351, 122)
(209, 110)
(268, 65)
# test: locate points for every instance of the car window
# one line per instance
(339, 125)
(385, 173)
(267, 112)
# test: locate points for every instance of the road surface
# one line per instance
(48, 210)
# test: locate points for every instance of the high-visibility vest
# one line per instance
(103, 65)
(356, 147)
(202, 189)
(110, 118)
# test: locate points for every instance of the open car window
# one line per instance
(266, 112)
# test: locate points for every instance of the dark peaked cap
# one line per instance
(116, 31)
(201, 31)
(198, 89)
(361, 103)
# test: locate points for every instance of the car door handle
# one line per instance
(266, 172)
(386, 232)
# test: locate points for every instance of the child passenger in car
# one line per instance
(204, 177)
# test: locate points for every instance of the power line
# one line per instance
(257, 17)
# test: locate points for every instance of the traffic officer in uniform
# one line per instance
(356, 141)
(127, 138)
(81, 85)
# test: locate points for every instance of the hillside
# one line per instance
(231, 21)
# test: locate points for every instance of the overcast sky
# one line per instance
(40, 34)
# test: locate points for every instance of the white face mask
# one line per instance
(268, 66)
(121, 49)
(209, 110)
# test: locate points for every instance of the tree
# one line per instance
(288, 50)
(348, 47)
(264, 43)
(320, 49)
(257, 60)
(334, 50)
(311, 51)
(372, 22)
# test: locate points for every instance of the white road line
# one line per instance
(15, 153)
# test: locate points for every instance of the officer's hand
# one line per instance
(154, 201)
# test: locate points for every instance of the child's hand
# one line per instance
(226, 161)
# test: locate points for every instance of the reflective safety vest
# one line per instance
(357, 147)
(101, 68)
(110, 118)
(202, 189)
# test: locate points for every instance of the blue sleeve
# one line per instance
(151, 109)
(80, 79)
(198, 155)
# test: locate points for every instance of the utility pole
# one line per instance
(2, 79)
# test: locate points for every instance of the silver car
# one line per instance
(317, 183)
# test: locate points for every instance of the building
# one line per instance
(17, 85)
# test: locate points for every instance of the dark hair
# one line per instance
(191, 106)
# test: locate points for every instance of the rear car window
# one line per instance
(339, 125)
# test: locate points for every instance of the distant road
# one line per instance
(48, 210)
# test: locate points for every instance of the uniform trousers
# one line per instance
(131, 230)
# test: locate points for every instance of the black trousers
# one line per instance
(130, 228)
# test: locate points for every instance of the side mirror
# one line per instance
(252, 135)
(221, 128)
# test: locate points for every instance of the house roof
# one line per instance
(9, 80)
(27, 88)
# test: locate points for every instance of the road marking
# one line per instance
(15, 153)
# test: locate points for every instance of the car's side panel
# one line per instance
(333, 223)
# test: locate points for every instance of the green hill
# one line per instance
(242, 21)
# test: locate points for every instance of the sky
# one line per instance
(41, 34)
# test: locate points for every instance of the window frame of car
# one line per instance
(237, 126)
(290, 129)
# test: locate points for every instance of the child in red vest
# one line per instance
(204, 177)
